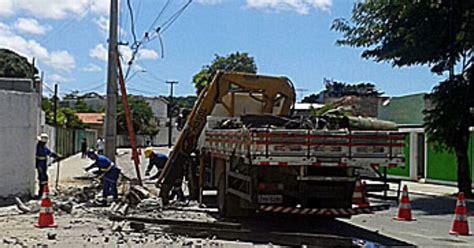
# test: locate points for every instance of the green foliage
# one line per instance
(438, 33)
(313, 98)
(334, 88)
(82, 107)
(13, 65)
(181, 102)
(340, 89)
(46, 104)
(449, 120)
(143, 119)
(410, 32)
(239, 62)
(66, 116)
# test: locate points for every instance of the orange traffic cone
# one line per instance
(46, 218)
(460, 225)
(359, 196)
(404, 210)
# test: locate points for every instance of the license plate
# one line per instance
(270, 199)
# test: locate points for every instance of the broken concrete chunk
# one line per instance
(21, 206)
(51, 236)
(150, 204)
(66, 206)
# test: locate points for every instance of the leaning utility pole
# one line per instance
(170, 114)
(110, 128)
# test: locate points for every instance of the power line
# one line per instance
(132, 23)
(175, 17)
(64, 25)
(158, 16)
(166, 25)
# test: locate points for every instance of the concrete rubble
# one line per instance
(82, 220)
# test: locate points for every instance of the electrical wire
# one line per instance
(175, 17)
(158, 16)
(146, 38)
(64, 25)
(132, 23)
(169, 22)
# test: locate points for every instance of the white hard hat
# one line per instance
(43, 137)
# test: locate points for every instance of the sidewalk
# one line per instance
(73, 167)
(427, 188)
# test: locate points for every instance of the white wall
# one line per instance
(19, 112)
(158, 106)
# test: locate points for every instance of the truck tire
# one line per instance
(229, 204)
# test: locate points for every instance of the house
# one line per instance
(93, 100)
(159, 106)
(403, 110)
(424, 161)
(19, 126)
(95, 121)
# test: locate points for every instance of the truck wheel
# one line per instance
(229, 204)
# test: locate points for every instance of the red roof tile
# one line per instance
(91, 118)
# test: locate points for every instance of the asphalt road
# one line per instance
(434, 218)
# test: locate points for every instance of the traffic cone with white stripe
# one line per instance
(404, 210)
(359, 196)
(460, 225)
(46, 218)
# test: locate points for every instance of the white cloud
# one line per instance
(100, 52)
(100, 6)
(53, 9)
(126, 53)
(103, 24)
(56, 78)
(92, 68)
(58, 60)
(61, 60)
(138, 68)
(147, 54)
(30, 26)
(302, 7)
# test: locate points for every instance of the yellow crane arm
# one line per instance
(271, 88)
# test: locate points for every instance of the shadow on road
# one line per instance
(322, 227)
(431, 205)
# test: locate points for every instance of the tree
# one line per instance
(334, 88)
(313, 98)
(82, 107)
(143, 120)
(13, 65)
(438, 33)
(66, 116)
(239, 62)
(449, 120)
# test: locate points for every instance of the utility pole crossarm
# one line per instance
(170, 114)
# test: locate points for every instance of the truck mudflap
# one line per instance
(355, 210)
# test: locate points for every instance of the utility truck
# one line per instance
(243, 140)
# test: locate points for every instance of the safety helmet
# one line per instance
(148, 151)
(91, 154)
(43, 137)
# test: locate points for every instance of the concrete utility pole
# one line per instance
(170, 116)
(56, 136)
(110, 128)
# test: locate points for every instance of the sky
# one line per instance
(68, 39)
